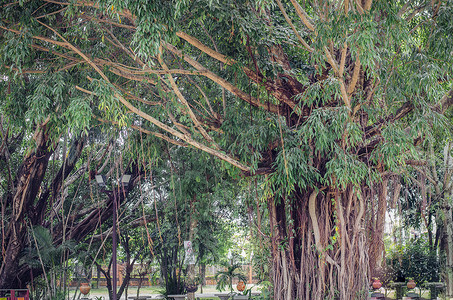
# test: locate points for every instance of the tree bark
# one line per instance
(26, 187)
(376, 229)
(327, 258)
(448, 212)
(191, 267)
(28, 202)
(448, 251)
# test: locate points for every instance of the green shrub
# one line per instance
(414, 260)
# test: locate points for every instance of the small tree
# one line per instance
(225, 278)
(414, 260)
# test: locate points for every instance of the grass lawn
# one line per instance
(146, 291)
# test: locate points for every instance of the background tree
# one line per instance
(425, 203)
(193, 204)
(414, 260)
(45, 156)
(133, 247)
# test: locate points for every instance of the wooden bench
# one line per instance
(178, 297)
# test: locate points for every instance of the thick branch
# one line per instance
(278, 91)
(303, 15)
(444, 104)
(355, 75)
(222, 82)
(144, 115)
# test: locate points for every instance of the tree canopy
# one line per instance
(327, 99)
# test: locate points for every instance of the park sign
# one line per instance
(190, 256)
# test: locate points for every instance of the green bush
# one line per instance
(414, 260)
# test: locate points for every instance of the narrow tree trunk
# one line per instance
(202, 274)
(191, 267)
(448, 224)
(448, 216)
(108, 278)
(98, 275)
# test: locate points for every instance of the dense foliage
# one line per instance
(329, 100)
(414, 260)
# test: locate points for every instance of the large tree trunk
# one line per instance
(27, 205)
(315, 254)
(377, 208)
(30, 204)
(26, 187)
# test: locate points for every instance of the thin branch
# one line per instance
(62, 55)
(145, 131)
(133, 97)
(221, 68)
(159, 135)
(184, 137)
(164, 137)
(37, 37)
(205, 97)
(404, 8)
(257, 78)
(68, 66)
(448, 184)
(128, 51)
(124, 12)
(131, 76)
(415, 12)
(106, 21)
(444, 104)
(181, 98)
(288, 20)
(334, 66)
(182, 128)
(52, 13)
(421, 171)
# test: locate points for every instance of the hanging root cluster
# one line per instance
(319, 245)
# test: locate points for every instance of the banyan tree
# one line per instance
(327, 101)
